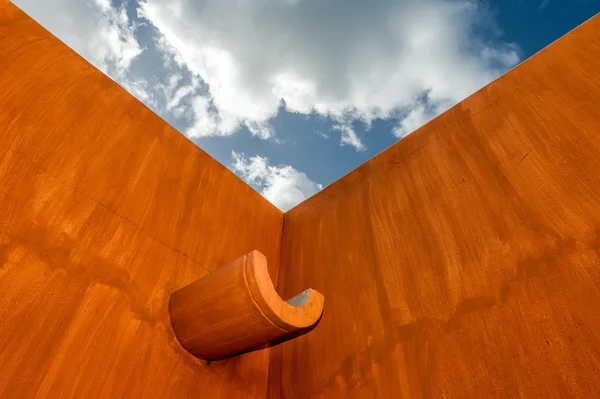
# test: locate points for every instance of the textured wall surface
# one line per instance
(104, 211)
(464, 260)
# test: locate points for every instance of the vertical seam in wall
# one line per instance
(279, 252)
(277, 290)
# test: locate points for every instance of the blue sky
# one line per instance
(293, 94)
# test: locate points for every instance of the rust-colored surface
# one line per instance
(105, 210)
(235, 309)
(463, 262)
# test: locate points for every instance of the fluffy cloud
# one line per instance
(211, 67)
(349, 137)
(421, 112)
(344, 60)
(101, 33)
(283, 185)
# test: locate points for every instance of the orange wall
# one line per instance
(104, 211)
(464, 260)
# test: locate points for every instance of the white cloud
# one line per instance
(138, 87)
(415, 118)
(102, 34)
(349, 137)
(220, 65)
(283, 185)
(345, 61)
(177, 94)
(421, 112)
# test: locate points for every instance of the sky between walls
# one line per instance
(293, 94)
